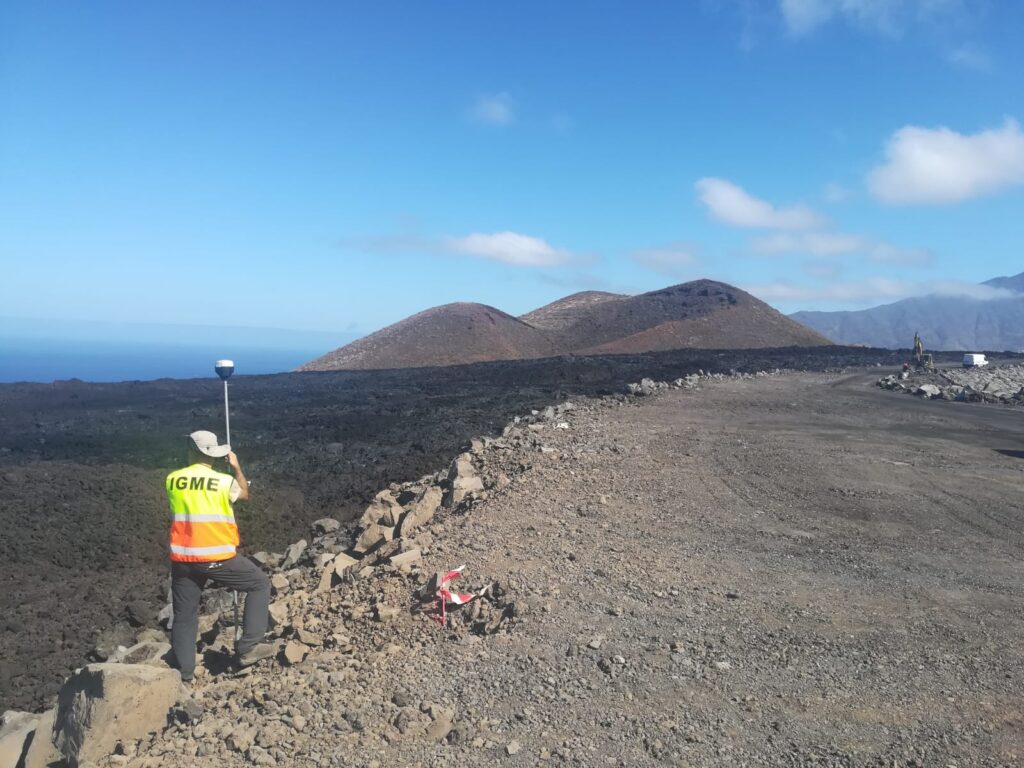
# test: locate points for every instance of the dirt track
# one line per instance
(801, 570)
(873, 546)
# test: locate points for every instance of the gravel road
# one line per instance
(785, 570)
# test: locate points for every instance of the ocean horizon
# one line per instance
(47, 361)
(48, 351)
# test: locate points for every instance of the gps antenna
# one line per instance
(224, 369)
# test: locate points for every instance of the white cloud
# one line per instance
(729, 203)
(673, 260)
(939, 165)
(802, 16)
(509, 248)
(872, 289)
(505, 247)
(970, 57)
(828, 244)
(887, 17)
(493, 109)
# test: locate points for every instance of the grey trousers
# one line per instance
(187, 582)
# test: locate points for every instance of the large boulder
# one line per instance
(372, 537)
(334, 569)
(41, 751)
(383, 510)
(422, 510)
(104, 704)
(342, 563)
(294, 554)
(15, 730)
(464, 480)
(325, 525)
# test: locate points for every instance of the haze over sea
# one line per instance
(46, 351)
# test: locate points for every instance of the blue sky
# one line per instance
(338, 166)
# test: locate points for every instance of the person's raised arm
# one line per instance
(243, 484)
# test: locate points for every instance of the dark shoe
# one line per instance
(258, 653)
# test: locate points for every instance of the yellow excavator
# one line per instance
(922, 361)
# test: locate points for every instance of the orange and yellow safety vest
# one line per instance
(203, 528)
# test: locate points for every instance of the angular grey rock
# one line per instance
(14, 734)
(342, 563)
(280, 582)
(308, 637)
(188, 711)
(421, 511)
(326, 525)
(109, 641)
(139, 613)
(41, 751)
(267, 559)
(650, 386)
(372, 537)
(295, 652)
(444, 721)
(383, 612)
(383, 510)
(928, 390)
(278, 613)
(241, 738)
(326, 579)
(464, 480)
(151, 635)
(104, 704)
(150, 653)
(405, 558)
(295, 551)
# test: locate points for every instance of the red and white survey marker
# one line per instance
(446, 595)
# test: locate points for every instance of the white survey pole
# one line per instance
(224, 369)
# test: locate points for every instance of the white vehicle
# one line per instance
(974, 360)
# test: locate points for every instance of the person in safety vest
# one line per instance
(204, 538)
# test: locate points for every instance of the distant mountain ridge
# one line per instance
(699, 314)
(944, 322)
(1015, 283)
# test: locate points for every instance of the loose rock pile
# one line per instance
(1002, 384)
(341, 601)
(649, 386)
